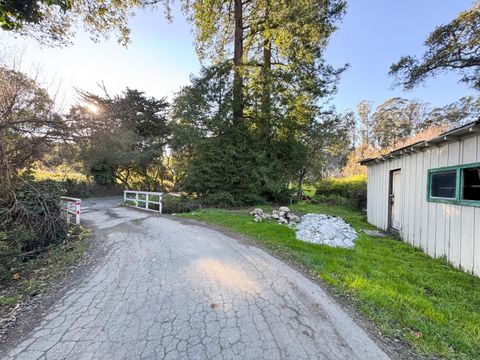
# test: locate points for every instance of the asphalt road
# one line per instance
(172, 290)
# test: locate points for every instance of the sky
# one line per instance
(376, 33)
(161, 57)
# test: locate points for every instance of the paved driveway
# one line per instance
(170, 290)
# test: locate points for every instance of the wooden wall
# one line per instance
(438, 229)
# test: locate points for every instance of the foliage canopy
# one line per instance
(450, 47)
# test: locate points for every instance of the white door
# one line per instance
(395, 200)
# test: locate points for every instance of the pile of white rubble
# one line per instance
(327, 230)
(283, 216)
(312, 228)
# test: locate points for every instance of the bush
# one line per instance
(103, 174)
(30, 220)
(37, 209)
(329, 200)
(182, 204)
(278, 194)
(353, 189)
(86, 189)
(224, 164)
(179, 204)
(220, 200)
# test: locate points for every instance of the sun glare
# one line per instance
(92, 108)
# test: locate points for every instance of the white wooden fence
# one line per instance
(146, 200)
(71, 207)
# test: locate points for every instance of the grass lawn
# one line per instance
(407, 294)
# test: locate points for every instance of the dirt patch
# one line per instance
(394, 348)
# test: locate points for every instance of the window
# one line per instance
(455, 184)
(471, 184)
(444, 184)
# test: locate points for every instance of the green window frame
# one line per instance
(458, 199)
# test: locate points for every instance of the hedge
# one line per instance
(352, 189)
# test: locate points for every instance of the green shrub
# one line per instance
(329, 200)
(86, 189)
(277, 193)
(130, 202)
(353, 189)
(227, 201)
(103, 174)
(183, 204)
(224, 167)
(179, 204)
(250, 199)
(220, 200)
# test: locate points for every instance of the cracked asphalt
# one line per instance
(172, 290)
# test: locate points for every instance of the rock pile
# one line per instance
(327, 230)
(283, 216)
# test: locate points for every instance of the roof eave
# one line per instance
(449, 136)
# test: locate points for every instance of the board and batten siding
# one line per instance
(438, 229)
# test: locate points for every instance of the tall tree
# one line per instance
(52, 21)
(465, 110)
(28, 123)
(219, 27)
(364, 111)
(275, 78)
(13, 14)
(289, 36)
(450, 47)
(238, 62)
(397, 118)
(126, 136)
(328, 139)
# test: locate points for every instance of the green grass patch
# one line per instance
(154, 197)
(35, 275)
(407, 294)
(9, 300)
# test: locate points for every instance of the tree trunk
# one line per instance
(237, 63)
(5, 182)
(267, 67)
(300, 193)
(123, 180)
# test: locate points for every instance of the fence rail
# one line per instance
(146, 200)
(71, 207)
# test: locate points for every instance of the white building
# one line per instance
(429, 193)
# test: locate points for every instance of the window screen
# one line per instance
(471, 184)
(443, 184)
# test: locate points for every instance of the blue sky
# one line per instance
(161, 57)
(376, 33)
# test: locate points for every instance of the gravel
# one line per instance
(327, 230)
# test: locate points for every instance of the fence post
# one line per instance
(66, 204)
(77, 211)
(70, 207)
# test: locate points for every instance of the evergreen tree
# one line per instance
(269, 55)
(125, 135)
